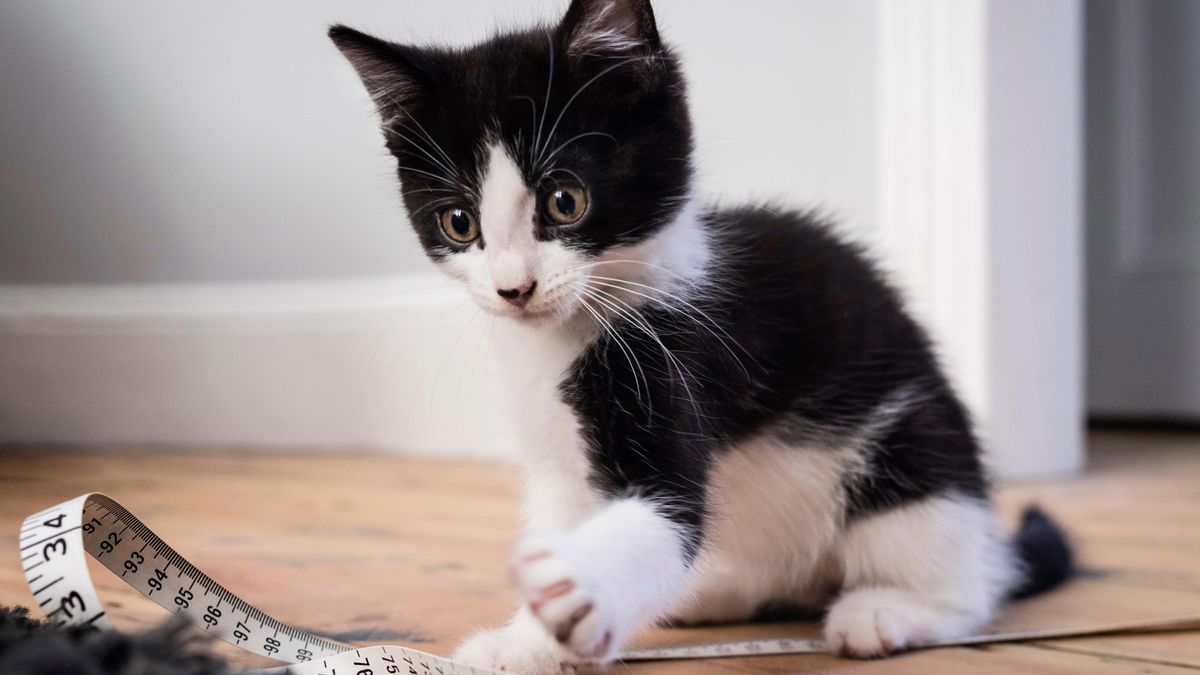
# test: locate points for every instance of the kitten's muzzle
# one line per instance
(519, 296)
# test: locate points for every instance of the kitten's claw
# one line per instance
(563, 599)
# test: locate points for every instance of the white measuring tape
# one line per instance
(53, 543)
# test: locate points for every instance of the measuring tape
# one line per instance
(53, 543)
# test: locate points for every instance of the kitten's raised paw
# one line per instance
(524, 649)
(560, 594)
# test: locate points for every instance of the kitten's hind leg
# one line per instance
(594, 586)
(929, 571)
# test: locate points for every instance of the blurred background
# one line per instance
(202, 243)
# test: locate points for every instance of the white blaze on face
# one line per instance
(506, 213)
(512, 257)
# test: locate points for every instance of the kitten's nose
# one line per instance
(518, 296)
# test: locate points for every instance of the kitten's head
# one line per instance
(539, 166)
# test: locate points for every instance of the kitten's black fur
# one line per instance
(798, 336)
(639, 170)
(794, 333)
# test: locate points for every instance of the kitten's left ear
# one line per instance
(610, 27)
(389, 71)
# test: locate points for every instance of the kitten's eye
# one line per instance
(459, 225)
(566, 205)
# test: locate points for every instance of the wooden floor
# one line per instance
(385, 550)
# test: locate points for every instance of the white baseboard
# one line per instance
(395, 364)
(311, 364)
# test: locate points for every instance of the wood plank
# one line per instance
(414, 551)
(1178, 649)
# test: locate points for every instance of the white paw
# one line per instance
(517, 648)
(864, 632)
(553, 580)
(874, 622)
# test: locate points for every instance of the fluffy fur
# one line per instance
(721, 410)
(29, 647)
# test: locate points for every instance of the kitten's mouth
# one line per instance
(554, 308)
(558, 309)
(540, 314)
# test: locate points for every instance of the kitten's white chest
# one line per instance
(553, 448)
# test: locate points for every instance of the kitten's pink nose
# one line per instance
(520, 295)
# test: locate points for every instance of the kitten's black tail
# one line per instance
(1045, 553)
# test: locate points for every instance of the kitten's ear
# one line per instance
(610, 27)
(387, 70)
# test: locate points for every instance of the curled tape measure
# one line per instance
(53, 543)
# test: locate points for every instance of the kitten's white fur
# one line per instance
(507, 206)
(931, 570)
(615, 588)
(605, 32)
(512, 256)
(770, 503)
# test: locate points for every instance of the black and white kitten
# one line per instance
(721, 410)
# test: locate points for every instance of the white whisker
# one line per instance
(572, 140)
(434, 176)
(441, 201)
(612, 282)
(574, 96)
(537, 141)
(633, 316)
(569, 172)
(450, 170)
(434, 144)
(630, 357)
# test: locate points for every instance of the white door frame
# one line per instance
(981, 208)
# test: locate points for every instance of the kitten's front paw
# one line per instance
(524, 649)
(555, 585)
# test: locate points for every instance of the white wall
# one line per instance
(227, 140)
(226, 144)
